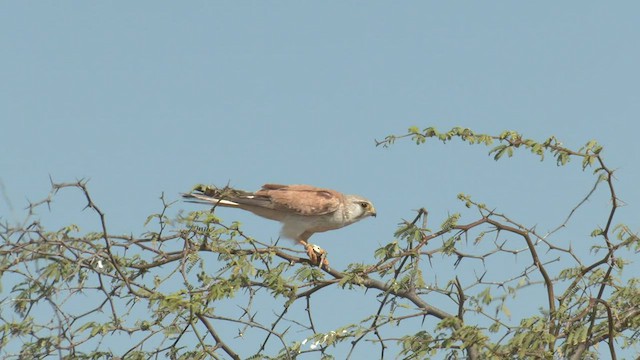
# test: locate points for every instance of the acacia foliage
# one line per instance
(197, 287)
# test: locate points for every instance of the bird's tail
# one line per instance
(208, 200)
(211, 195)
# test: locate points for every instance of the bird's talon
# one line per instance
(317, 255)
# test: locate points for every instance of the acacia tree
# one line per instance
(198, 287)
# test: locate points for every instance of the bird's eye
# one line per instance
(364, 205)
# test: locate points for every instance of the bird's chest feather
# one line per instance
(327, 222)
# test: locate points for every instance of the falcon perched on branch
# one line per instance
(302, 209)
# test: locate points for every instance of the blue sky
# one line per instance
(150, 97)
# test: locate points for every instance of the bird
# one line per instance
(303, 210)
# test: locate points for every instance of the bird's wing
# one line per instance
(301, 199)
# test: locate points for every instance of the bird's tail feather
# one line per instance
(208, 200)
(227, 196)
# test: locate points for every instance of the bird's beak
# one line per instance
(373, 212)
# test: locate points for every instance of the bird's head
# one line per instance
(360, 208)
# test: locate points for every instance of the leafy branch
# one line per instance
(199, 287)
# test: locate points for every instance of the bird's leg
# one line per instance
(317, 255)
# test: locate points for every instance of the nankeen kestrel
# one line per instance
(302, 209)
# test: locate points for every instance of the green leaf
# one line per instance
(149, 218)
(84, 327)
(450, 222)
(495, 327)
(506, 310)
(498, 151)
(485, 296)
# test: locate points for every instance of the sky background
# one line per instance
(154, 97)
